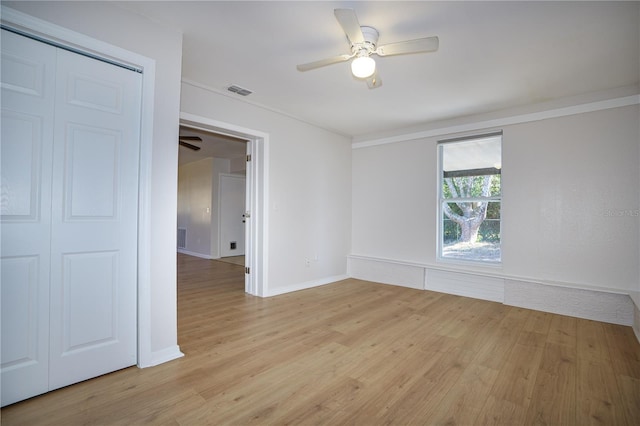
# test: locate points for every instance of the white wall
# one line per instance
(107, 22)
(195, 191)
(198, 205)
(568, 185)
(309, 196)
(570, 203)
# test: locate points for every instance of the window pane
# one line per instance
(471, 231)
(471, 186)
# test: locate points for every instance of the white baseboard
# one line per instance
(599, 304)
(615, 308)
(192, 253)
(305, 285)
(468, 285)
(162, 356)
(387, 272)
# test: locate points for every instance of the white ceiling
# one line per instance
(492, 56)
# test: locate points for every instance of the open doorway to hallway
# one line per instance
(255, 218)
(211, 195)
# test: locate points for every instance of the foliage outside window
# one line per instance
(470, 198)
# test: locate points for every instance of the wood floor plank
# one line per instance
(553, 400)
(624, 351)
(630, 394)
(464, 401)
(361, 353)
(563, 330)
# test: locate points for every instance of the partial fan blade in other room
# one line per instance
(349, 23)
(190, 138)
(323, 62)
(190, 146)
(428, 44)
(374, 81)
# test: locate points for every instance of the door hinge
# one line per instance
(247, 270)
(248, 158)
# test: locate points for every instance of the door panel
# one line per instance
(232, 209)
(92, 169)
(28, 83)
(25, 337)
(21, 166)
(94, 220)
(90, 312)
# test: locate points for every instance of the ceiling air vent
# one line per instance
(239, 90)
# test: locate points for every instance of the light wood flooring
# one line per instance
(361, 353)
(236, 260)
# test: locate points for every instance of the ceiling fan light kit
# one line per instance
(363, 66)
(363, 41)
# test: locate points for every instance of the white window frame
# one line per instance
(441, 200)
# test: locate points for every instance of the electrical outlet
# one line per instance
(307, 262)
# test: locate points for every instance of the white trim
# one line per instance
(602, 306)
(581, 301)
(488, 271)
(260, 197)
(76, 41)
(307, 285)
(463, 284)
(505, 121)
(194, 254)
(63, 35)
(392, 273)
(164, 355)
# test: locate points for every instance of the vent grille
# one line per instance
(239, 90)
(182, 238)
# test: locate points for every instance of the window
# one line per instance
(470, 198)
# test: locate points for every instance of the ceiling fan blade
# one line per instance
(323, 62)
(374, 81)
(349, 23)
(428, 44)
(188, 145)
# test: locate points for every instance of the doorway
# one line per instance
(209, 211)
(256, 195)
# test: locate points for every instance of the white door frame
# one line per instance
(47, 30)
(257, 179)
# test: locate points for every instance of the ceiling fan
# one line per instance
(363, 41)
(182, 140)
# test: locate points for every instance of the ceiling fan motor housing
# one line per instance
(370, 36)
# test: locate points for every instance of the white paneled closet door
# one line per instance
(70, 150)
(28, 83)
